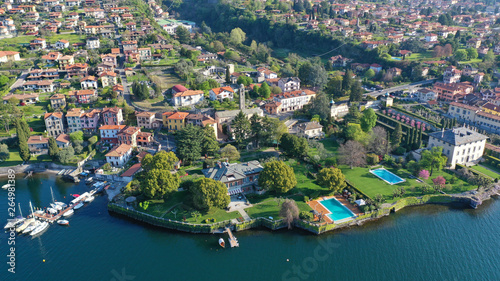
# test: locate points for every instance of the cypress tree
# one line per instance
(24, 151)
(228, 75)
(53, 148)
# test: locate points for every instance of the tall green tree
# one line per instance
(396, 136)
(53, 148)
(209, 145)
(241, 127)
(265, 91)
(189, 143)
(228, 75)
(162, 161)
(347, 80)
(356, 92)
(368, 120)
(293, 145)
(208, 193)
(4, 152)
(230, 152)
(182, 34)
(332, 178)
(159, 183)
(277, 176)
(24, 151)
(433, 159)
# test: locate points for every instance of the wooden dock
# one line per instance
(232, 239)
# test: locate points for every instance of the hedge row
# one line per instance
(492, 160)
(435, 124)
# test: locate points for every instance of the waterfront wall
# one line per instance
(35, 167)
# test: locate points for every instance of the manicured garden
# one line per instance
(487, 171)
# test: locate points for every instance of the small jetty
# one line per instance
(29, 175)
(71, 175)
(232, 239)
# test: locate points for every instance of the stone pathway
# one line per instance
(244, 214)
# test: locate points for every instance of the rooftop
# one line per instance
(458, 136)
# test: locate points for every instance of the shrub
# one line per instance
(423, 174)
(332, 161)
(372, 159)
(305, 215)
(400, 151)
(306, 198)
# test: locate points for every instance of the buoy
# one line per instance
(287, 260)
(43, 260)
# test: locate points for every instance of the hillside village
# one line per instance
(160, 97)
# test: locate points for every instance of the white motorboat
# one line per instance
(52, 211)
(14, 222)
(62, 204)
(39, 229)
(78, 206)
(89, 180)
(55, 206)
(63, 222)
(68, 213)
(31, 227)
(24, 225)
(89, 199)
(5, 186)
(39, 212)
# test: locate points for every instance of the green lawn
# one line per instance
(485, 171)
(420, 56)
(72, 38)
(371, 185)
(306, 185)
(15, 159)
(266, 208)
(137, 77)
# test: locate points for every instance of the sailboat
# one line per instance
(14, 222)
(31, 227)
(222, 243)
(39, 229)
(26, 223)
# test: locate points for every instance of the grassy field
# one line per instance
(15, 159)
(485, 171)
(420, 56)
(15, 41)
(137, 77)
(371, 185)
(270, 207)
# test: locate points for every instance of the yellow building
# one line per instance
(174, 121)
(491, 109)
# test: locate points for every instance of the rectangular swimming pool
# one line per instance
(337, 210)
(387, 176)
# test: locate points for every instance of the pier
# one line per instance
(232, 239)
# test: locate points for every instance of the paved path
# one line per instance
(20, 81)
(244, 214)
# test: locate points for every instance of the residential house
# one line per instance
(38, 145)
(339, 61)
(24, 99)
(9, 56)
(178, 88)
(44, 86)
(66, 60)
(93, 43)
(221, 93)
(266, 73)
(119, 155)
(431, 37)
(41, 74)
(52, 57)
(189, 97)
(112, 116)
(147, 120)
(426, 95)
(460, 145)
(62, 44)
(109, 133)
(83, 96)
(73, 118)
(295, 100)
(77, 69)
(54, 123)
(376, 67)
(108, 78)
(38, 43)
(57, 101)
(273, 107)
(63, 140)
(128, 135)
(338, 110)
(144, 139)
(144, 53)
(452, 92)
(90, 120)
(237, 177)
(176, 121)
(89, 82)
(451, 75)
(109, 59)
(202, 120)
(289, 84)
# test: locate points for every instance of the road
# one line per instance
(20, 81)
(410, 87)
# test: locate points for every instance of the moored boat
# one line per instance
(63, 222)
(68, 213)
(222, 243)
(14, 222)
(52, 211)
(78, 206)
(89, 199)
(62, 204)
(24, 225)
(5, 186)
(39, 229)
(55, 206)
(31, 227)
(75, 195)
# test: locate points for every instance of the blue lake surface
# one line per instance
(418, 243)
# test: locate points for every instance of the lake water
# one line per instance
(420, 243)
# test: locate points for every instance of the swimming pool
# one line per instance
(337, 210)
(387, 176)
(394, 58)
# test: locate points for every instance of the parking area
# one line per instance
(238, 201)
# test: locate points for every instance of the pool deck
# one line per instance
(315, 205)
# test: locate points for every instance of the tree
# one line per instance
(370, 73)
(353, 116)
(277, 176)
(353, 131)
(76, 136)
(265, 91)
(439, 181)
(237, 36)
(53, 148)
(228, 75)
(356, 92)
(433, 159)
(423, 174)
(334, 87)
(369, 120)
(347, 80)
(182, 34)
(460, 55)
(4, 152)
(289, 212)
(66, 154)
(208, 193)
(396, 136)
(209, 144)
(241, 127)
(293, 145)
(378, 141)
(320, 106)
(352, 153)
(230, 152)
(158, 183)
(24, 151)
(332, 178)
(472, 53)
(189, 143)
(162, 161)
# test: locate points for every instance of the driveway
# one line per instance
(19, 82)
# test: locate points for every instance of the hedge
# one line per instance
(356, 189)
(492, 160)
(435, 124)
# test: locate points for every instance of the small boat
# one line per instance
(39, 229)
(89, 199)
(63, 222)
(68, 213)
(14, 222)
(75, 195)
(24, 225)
(52, 210)
(39, 212)
(31, 227)
(5, 186)
(222, 243)
(62, 204)
(89, 180)
(55, 206)
(78, 206)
